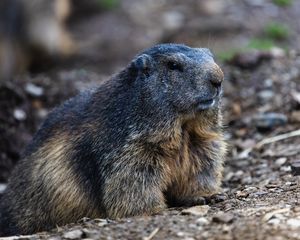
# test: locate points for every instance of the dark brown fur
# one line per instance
(147, 139)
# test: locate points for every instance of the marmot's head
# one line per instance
(184, 79)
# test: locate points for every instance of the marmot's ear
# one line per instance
(143, 63)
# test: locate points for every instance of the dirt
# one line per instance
(260, 185)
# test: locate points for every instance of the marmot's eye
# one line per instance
(175, 66)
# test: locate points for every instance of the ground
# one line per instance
(261, 107)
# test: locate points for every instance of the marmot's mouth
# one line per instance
(203, 105)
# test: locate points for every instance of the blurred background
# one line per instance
(50, 50)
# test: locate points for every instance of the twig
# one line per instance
(152, 234)
(277, 138)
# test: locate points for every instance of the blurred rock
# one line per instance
(293, 223)
(173, 20)
(295, 117)
(202, 221)
(75, 234)
(34, 90)
(295, 167)
(2, 187)
(19, 114)
(265, 95)
(268, 121)
(223, 218)
(196, 210)
(280, 161)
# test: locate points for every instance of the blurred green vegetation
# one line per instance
(277, 31)
(109, 4)
(274, 35)
(283, 3)
(254, 43)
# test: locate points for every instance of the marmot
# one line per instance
(148, 138)
(29, 26)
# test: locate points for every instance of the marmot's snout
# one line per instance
(212, 78)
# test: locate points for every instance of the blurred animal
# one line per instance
(30, 26)
(148, 138)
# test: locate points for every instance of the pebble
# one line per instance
(295, 167)
(293, 222)
(202, 221)
(19, 114)
(223, 218)
(280, 161)
(274, 221)
(75, 234)
(295, 117)
(2, 187)
(34, 90)
(265, 95)
(196, 210)
(268, 121)
(173, 20)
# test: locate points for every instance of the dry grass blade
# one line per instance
(155, 231)
(277, 138)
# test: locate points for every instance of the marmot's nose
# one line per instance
(214, 74)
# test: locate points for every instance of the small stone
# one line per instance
(280, 161)
(223, 218)
(2, 187)
(173, 20)
(277, 52)
(293, 222)
(295, 117)
(296, 96)
(34, 90)
(274, 213)
(268, 121)
(265, 95)
(75, 234)
(202, 221)
(274, 221)
(92, 234)
(295, 167)
(286, 169)
(19, 114)
(196, 210)
(242, 194)
(54, 238)
(181, 234)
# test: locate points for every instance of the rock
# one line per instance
(196, 210)
(271, 214)
(295, 117)
(280, 161)
(19, 114)
(268, 121)
(249, 59)
(274, 221)
(293, 223)
(296, 96)
(75, 234)
(34, 90)
(223, 218)
(295, 168)
(202, 221)
(265, 95)
(2, 187)
(173, 20)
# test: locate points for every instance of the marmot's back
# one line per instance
(149, 137)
